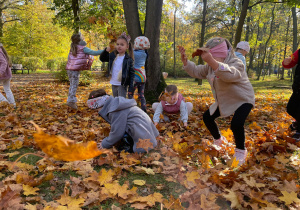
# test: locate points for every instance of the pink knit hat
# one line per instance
(244, 46)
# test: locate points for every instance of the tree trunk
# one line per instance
(174, 45)
(1, 23)
(265, 49)
(75, 8)
(155, 82)
(295, 44)
(242, 17)
(252, 50)
(132, 18)
(248, 27)
(202, 33)
(285, 45)
(232, 20)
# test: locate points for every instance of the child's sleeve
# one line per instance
(231, 72)
(104, 57)
(184, 115)
(88, 51)
(132, 76)
(294, 61)
(3, 64)
(158, 111)
(118, 128)
(199, 71)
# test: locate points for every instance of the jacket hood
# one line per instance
(115, 104)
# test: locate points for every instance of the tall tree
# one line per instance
(266, 44)
(295, 44)
(8, 5)
(242, 17)
(131, 13)
(155, 82)
(202, 34)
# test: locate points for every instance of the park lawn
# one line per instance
(184, 171)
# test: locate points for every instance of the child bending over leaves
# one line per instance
(128, 122)
(231, 89)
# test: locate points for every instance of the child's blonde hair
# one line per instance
(76, 38)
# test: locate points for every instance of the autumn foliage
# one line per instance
(184, 172)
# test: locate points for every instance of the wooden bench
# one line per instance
(18, 67)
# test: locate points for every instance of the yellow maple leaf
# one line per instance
(172, 203)
(234, 163)
(16, 145)
(115, 188)
(191, 176)
(105, 176)
(139, 182)
(152, 199)
(72, 203)
(289, 198)
(28, 190)
(232, 197)
(65, 149)
(205, 160)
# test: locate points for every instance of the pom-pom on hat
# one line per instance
(244, 46)
(141, 43)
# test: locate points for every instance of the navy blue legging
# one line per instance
(237, 124)
(141, 87)
(293, 108)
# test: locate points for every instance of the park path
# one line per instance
(22, 79)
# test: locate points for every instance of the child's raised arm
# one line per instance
(183, 55)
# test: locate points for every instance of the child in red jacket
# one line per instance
(293, 106)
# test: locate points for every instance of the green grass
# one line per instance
(29, 159)
(270, 85)
(166, 188)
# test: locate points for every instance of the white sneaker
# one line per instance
(240, 155)
(73, 105)
(221, 141)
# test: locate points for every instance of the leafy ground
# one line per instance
(184, 172)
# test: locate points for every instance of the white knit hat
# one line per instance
(141, 43)
(244, 46)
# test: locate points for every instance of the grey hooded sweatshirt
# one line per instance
(124, 115)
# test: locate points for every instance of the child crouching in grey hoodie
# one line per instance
(124, 117)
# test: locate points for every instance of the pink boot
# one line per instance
(221, 141)
(240, 155)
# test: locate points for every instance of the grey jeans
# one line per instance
(119, 90)
(74, 81)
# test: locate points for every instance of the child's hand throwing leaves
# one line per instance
(208, 58)
(183, 55)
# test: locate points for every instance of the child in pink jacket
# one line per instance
(5, 77)
(78, 60)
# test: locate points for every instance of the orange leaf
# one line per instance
(144, 144)
(64, 149)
